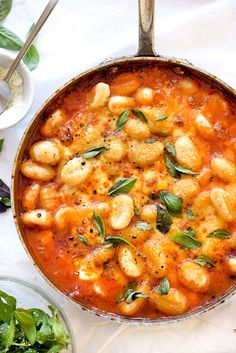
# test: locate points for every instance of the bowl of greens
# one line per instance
(31, 321)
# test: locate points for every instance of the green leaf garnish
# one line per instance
(5, 8)
(27, 324)
(186, 238)
(220, 233)
(164, 286)
(190, 214)
(94, 152)
(136, 210)
(122, 186)
(170, 166)
(9, 40)
(99, 224)
(31, 58)
(161, 133)
(161, 117)
(170, 148)
(122, 120)
(205, 261)
(164, 220)
(114, 241)
(183, 170)
(130, 294)
(139, 115)
(151, 140)
(143, 226)
(173, 203)
(6, 201)
(83, 240)
(1, 144)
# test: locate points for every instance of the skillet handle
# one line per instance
(146, 28)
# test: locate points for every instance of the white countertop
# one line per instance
(78, 35)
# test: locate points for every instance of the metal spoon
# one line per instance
(5, 91)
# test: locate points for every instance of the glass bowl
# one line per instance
(28, 295)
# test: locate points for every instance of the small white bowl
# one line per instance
(5, 61)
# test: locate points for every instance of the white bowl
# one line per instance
(5, 61)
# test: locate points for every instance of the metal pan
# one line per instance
(146, 55)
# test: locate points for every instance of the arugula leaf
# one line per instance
(205, 261)
(164, 286)
(58, 330)
(122, 186)
(164, 220)
(161, 117)
(83, 239)
(99, 224)
(139, 115)
(41, 320)
(114, 241)
(170, 148)
(151, 140)
(27, 324)
(190, 214)
(143, 226)
(186, 238)
(1, 144)
(5, 8)
(7, 306)
(122, 120)
(220, 233)
(173, 203)
(10, 333)
(94, 152)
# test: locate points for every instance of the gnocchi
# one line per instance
(186, 154)
(122, 211)
(76, 171)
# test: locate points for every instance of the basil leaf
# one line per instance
(164, 286)
(184, 170)
(114, 241)
(122, 120)
(220, 233)
(7, 306)
(187, 239)
(122, 295)
(9, 40)
(31, 58)
(27, 324)
(122, 186)
(134, 295)
(94, 152)
(6, 201)
(4, 190)
(205, 261)
(170, 166)
(5, 8)
(139, 115)
(1, 144)
(151, 140)
(170, 148)
(99, 224)
(83, 240)
(190, 214)
(161, 133)
(161, 118)
(143, 226)
(164, 220)
(173, 203)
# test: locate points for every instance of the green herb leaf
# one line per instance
(220, 233)
(27, 324)
(9, 40)
(7, 306)
(143, 226)
(173, 203)
(6, 201)
(170, 148)
(1, 144)
(5, 8)
(83, 240)
(31, 58)
(164, 220)
(99, 224)
(139, 115)
(131, 296)
(170, 166)
(183, 170)
(161, 133)
(123, 294)
(151, 140)
(94, 152)
(205, 261)
(164, 286)
(58, 331)
(122, 186)
(161, 117)
(114, 241)
(136, 210)
(190, 214)
(122, 120)
(10, 333)
(187, 239)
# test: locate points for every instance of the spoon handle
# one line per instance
(42, 19)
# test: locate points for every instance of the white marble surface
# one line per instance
(78, 35)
